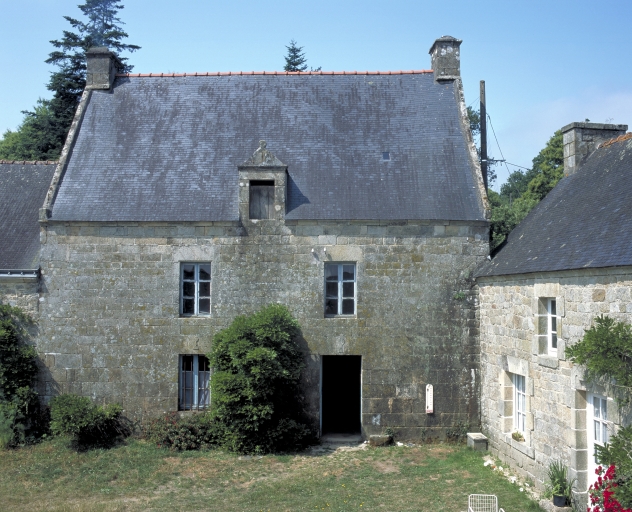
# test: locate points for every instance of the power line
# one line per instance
(474, 101)
(516, 165)
(501, 151)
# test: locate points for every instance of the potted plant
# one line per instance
(559, 485)
(517, 436)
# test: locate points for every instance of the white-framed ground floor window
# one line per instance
(520, 402)
(598, 428)
(195, 376)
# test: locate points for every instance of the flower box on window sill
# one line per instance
(517, 436)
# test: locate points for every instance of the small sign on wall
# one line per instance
(429, 400)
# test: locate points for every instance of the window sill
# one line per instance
(201, 317)
(341, 316)
(548, 361)
(521, 446)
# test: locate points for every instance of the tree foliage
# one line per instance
(18, 371)
(295, 59)
(257, 406)
(605, 351)
(43, 131)
(524, 190)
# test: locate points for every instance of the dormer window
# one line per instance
(262, 186)
(261, 204)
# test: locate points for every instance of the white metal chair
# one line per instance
(483, 503)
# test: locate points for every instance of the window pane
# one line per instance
(331, 307)
(188, 271)
(348, 289)
(205, 289)
(604, 409)
(205, 272)
(553, 340)
(348, 307)
(203, 398)
(204, 306)
(597, 406)
(187, 363)
(554, 323)
(188, 289)
(348, 272)
(203, 363)
(331, 290)
(331, 272)
(553, 307)
(597, 431)
(188, 306)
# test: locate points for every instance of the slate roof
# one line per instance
(167, 148)
(23, 186)
(584, 222)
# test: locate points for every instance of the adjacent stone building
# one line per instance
(23, 186)
(569, 261)
(362, 209)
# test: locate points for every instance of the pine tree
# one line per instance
(295, 59)
(43, 132)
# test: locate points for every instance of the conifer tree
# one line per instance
(295, 59)
(43, 132)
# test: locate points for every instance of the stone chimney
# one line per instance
(581, 139)
(102, 67)
(445, 56)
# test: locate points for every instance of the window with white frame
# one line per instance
(194, 379)
(597, 427)
(195, 289)
(340, 289)
(520, 402)
(548, 326)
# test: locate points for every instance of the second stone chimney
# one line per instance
(445, 56)
(102, 66)
(581, 139)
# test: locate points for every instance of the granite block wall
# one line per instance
(110, 326)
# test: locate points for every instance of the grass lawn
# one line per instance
(139, 476)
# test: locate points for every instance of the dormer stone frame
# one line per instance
(262, 166)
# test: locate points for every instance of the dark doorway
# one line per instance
(341, 394)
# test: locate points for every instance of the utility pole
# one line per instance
(483, 114)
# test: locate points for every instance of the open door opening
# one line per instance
(341, 394)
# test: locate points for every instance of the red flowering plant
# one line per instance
(602, 492)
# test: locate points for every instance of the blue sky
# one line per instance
(545, 63)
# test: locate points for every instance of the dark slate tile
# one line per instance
(23, 187)
(167, 149)
(584, 222)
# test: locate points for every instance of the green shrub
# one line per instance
(191, 432)
(256, 402)
(88, 423)
(19, 405)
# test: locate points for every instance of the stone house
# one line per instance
(362, 209)
(569, 261)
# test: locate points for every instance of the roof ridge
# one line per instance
(274, 73)
(29, 162)
(620, 138)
